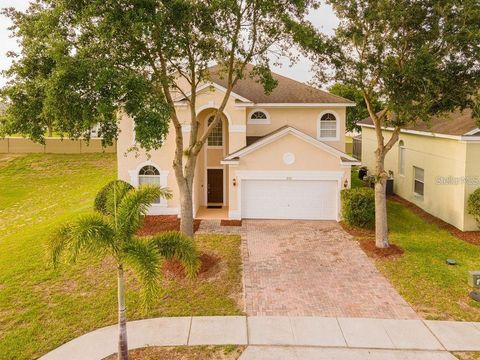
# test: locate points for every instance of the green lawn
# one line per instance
(356, 182)
(434, 289)
(41, 308)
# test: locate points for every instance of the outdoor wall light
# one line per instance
(234, 181)
(345, 183)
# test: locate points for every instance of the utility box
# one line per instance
(474, 279)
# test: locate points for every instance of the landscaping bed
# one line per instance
(42, 308)
(366, 239)
(229, 352)
(159, 223)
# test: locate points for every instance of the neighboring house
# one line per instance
(436, 166)
(276, 156)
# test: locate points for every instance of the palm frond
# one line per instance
(176, 245)
(134, 207)
(58, 242)
(106, 197)
(143, 256)
(91, 233)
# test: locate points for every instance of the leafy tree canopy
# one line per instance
(420, 58)
(82, 62)
(358, 112)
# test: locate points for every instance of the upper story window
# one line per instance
(328, 126)
(258, 117)
(401, 157)
(418, 181)
(149, 175)
(216, 136)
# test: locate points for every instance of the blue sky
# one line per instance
(323, 18)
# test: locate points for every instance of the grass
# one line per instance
(42, 308)
(229, 352)
(356, 182)
(434, 289)
(467, 355)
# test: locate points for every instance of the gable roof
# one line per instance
(456, 123)
(287, 91)
(286, 130)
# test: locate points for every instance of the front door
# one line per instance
(215, 186)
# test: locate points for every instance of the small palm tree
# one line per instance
(110, 231)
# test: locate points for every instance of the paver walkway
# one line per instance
(310, 268)
(305, 337)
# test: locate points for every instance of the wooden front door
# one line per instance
(215, 186)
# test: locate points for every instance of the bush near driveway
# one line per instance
(358, 207)
(41, 309)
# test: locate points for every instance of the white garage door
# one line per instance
(289, 199)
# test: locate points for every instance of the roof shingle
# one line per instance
(287, 90)
(456, 123)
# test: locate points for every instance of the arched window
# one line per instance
(258, 117)
(327, 127)
(216, 136)
(149, 175)
(401, 157)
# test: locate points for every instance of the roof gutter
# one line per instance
(295, 105)
(430, 134)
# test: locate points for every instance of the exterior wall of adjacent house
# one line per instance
(446, 164)
(236, 128)
(270, 158)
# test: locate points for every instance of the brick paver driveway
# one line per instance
(313, 268)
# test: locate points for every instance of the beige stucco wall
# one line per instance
(128, 160)
(270, 158)
(445, 162)
(303, 119)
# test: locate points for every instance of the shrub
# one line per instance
(473, 205)
(358, 207)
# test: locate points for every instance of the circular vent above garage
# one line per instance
(289, 158)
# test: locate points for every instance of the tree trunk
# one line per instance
(381, 224)
(50, 130)
(186, 210)
(122, 319)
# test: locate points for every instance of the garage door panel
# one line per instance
(289, 199)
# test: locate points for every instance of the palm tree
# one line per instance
(110, 231)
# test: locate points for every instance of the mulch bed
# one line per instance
(155, 224)
(174, 269)
(472, 237)
(368, 246)
(231, 222)
(366, 240)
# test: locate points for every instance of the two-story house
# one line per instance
(276, 156)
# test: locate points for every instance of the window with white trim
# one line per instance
(149, 175)
(258, 117)
(215, 138)
(327, 128)
(401, 158)
(418, 181)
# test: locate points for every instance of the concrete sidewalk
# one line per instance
(287, 337)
